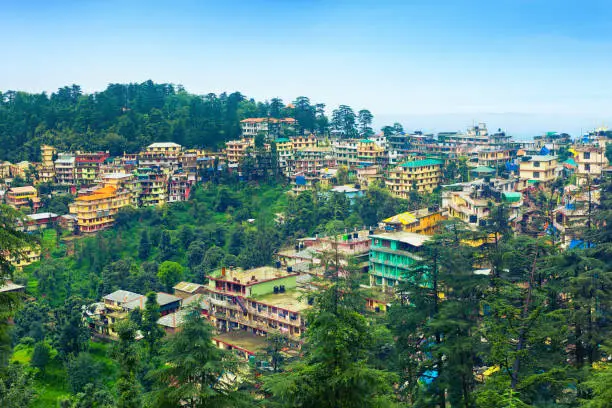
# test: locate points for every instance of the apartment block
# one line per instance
(257, 301)
(65, 168)
(23, 197)
(590, 162)
(162, 155)
(97, 211)
(88, 166)
(538, 169)
(47, 168)
(419, 175)
(153, 187)
(394, 257)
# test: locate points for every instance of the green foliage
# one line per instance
(82, 370)
(169, 274)
(151, 331)
(335, 369)
(193, 370)
(41, 355)
(16, 387)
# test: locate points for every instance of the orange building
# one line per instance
(97, 211)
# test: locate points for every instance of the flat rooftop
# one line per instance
(293, 300)
(410, 238)
(243, 340)
(260, 274)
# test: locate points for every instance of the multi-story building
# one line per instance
(311, 161)
(179, 187)
(163, 155)
(370, 153)
(20, 169)
(538, 169)
(304, 141)
(97, 211)
(419, 175)
(270, 127)
(394, 257)
(477, 135)
(346, 152)
(87, 167)
(153, 187)
(23, 197)
(47, 168)
(123, 181)
(493, 157)
(472, 202)
(65, 168)
(257, 301)
(284, 150)
(102, 317)
(236, 150)
(423, 221)
(26, 256)
(5, 170)
(590, 161)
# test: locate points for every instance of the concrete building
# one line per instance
(153, 187)
(162, 155)
(590, 162)
(257, 301)
(65, 168)
(394, 257)
(23, 197)
(236, 150)
(97, 211)
(88, 166)
(270, 127)
(47, 167)
(423, 221)
(420, 175)
(538, 169)
(370, 153)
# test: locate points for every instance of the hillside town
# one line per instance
(473, 173)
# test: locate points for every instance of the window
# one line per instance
(587, 155)
(536, 174)
(587, 167)
(536, 164)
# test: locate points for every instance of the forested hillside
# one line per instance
(126, 117)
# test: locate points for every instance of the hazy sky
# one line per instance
(524, 65)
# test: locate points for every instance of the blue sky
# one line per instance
(524, 65)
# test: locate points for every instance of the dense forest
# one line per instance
(127, 117)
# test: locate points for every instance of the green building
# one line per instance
(393, 257)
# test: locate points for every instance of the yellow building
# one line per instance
(5, 170)
(542, 169)
(20, 169)
(26, 257)
(590, 161)
(421, 175)
(421, 221)
(235, 150)
(97, 211)
(47, 168)
(369, 153)
(21, 197)
(304, 142)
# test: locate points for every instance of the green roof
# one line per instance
(423, 163)
(366, 141)
(512, 196)
(282, 140)
(483, 169)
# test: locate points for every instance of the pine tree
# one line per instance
(144, 249)
(151, 332)
(194, 373)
